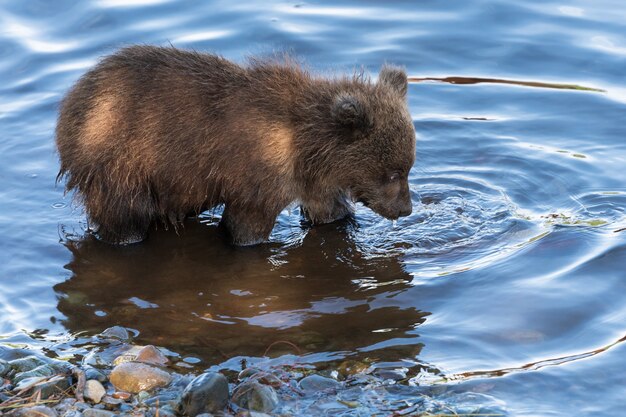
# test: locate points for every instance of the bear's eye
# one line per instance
(394, 177)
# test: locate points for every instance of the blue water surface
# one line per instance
(506, 285)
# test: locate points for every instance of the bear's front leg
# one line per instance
(248, 225)
(327, 210)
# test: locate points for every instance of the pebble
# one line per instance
(94, 391)
(134, 377)
(94, 412)
(65, 407)
(36, 411)
(121, 395)
(255, 397)
(111, 403)
(315, 383)
(150, 354)
(206, 393)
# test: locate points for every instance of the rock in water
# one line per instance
(315, 383)
(208, 393)
(135, 376)
(255, 397)
(94, 391)
(115, 332)
(150, 354)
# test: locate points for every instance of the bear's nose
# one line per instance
(406, 211)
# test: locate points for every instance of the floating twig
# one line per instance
(478, 80)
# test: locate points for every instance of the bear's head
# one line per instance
(379, 140)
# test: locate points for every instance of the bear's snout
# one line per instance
(406, 209)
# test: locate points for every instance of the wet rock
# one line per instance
(161, 412)
(168, 399)
(52, 386)
(129, 354)
(37, 411)
(65, 407)
(82, 406)
(8, 354)
(28, 382)
(135, 377)
(27, 363)
(121, 395)
(94, 412)
(93, 373)
(261, 376)
(117, 333)
(46, 370)
(351, 367)
(315, 383)
(72, 413)
(247, 373)
(150, 354)
(206, 393)
(390, 374)
(106, 356)
(111, 403)
(94, 391)
(142, 396)
(255, 397)
(4, 367)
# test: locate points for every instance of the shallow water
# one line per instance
(508, 278)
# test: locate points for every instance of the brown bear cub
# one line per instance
(154, 134)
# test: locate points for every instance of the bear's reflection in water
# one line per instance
(196, 295)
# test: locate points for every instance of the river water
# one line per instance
(508, 280)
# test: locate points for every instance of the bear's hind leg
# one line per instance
(121, 223)
(248, 225)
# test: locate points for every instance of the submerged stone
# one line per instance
(316, 383)
(255, 397)
(116, 332)
(150, 354)
(208, 393)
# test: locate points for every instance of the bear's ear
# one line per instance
(394, 77)
(351, 112)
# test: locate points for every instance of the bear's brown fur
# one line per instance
(154, 134)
